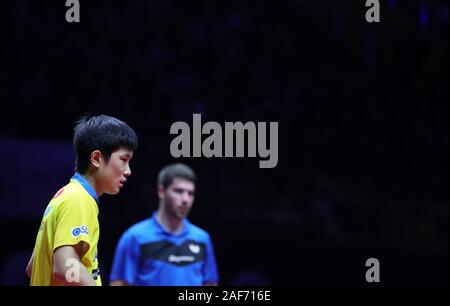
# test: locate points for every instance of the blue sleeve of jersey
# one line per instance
(126, 260)
(210, 274)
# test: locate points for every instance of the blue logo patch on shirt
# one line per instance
(81, 230)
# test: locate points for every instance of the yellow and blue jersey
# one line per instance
(70, 217)
(148, 255)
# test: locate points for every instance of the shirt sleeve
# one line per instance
(76, 221)
(126, 260)
(210, 274)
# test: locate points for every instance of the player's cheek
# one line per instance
(119, 169)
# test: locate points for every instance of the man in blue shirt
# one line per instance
(167, 250)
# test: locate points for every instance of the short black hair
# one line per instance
(104, 133)
(172, 171)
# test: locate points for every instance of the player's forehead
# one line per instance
(182, 183)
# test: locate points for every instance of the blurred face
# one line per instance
(177, 198)
(113, 174)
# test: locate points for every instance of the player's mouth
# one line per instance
(122, 182)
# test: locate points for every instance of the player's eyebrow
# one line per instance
(127, 155)
(184, 189)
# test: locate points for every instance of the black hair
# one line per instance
(104, 133)
(172, 171)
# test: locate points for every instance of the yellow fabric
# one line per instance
(70, 217)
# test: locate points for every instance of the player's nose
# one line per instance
(185, 198)
(127, 172)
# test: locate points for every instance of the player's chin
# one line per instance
(182, 215)
(114, 191)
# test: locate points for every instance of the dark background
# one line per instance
(363, 128)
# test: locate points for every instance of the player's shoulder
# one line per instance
(198, 232)
(73, 194)
(140, 228)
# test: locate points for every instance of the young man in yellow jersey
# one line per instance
(65, 252)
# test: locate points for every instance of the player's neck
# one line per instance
(171, 224)
(93, 182)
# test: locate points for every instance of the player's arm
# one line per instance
(67, 265)
(210, 274)
(119, 283)
(29, 268)
(125, 263)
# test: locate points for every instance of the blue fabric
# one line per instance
(161, 267)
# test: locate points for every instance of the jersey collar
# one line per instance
(83, 182)
(161, 228)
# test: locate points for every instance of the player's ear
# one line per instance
(96, 158)
(160, 190)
